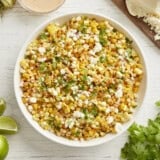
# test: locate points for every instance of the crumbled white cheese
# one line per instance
(154, 22)
(108, 110)
(78, 114)
(42, 59)
(53, 91)
(119, 92)
(80, 102)
(121, 51)
(41, 50)
(86, 102)
(96, 38)
(104, 104)
(32, 99)
(89, 80)
(30, 108)
(63, 71)
(93, 60)
(74, 88)
(86, 93)
(78, 18)
(73, 64)
(59, 105)
(76, 73)
(91, 52)
(114, 109)
(110, 119)
(97, 48)
(69, 123)
(86, 46)
(86, 22)
(138, 71)
(73, 33)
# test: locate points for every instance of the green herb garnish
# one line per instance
(94, 111)
(68, 86)
(85, 111)
(102, 37)
(43, 36)
(83, 28)
(103, 59)
(85, 78)
(42, 67)
(58, 59)
(144, 141)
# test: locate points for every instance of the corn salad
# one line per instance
(80, 80)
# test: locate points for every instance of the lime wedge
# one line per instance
(4, 147)
(2, 106)
(8, 125)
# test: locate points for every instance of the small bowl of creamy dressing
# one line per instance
(41, 6)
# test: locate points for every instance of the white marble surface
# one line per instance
(15, 26)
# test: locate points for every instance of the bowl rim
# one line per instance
(65, 141)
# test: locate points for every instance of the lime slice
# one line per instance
(2, 106)
(8, 125)
(4, 147)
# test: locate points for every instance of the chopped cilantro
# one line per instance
(68, 86)
(43, 85)
(61, 81)
(83, 28)
(54, 123)
(94, 111)
(43, 36)
(82, 87)
(103, 59)
(77, 133)
(129, 53)
(102, 36)
(58, 59)
(102, 40)
(42, 67)
(85, 111)
(85, 78)
(94, 94)
(54, 64)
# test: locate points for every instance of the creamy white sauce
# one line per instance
(41, 5)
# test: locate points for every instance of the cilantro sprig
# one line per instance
(143, 141)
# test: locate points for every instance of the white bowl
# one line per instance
(51, 136)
